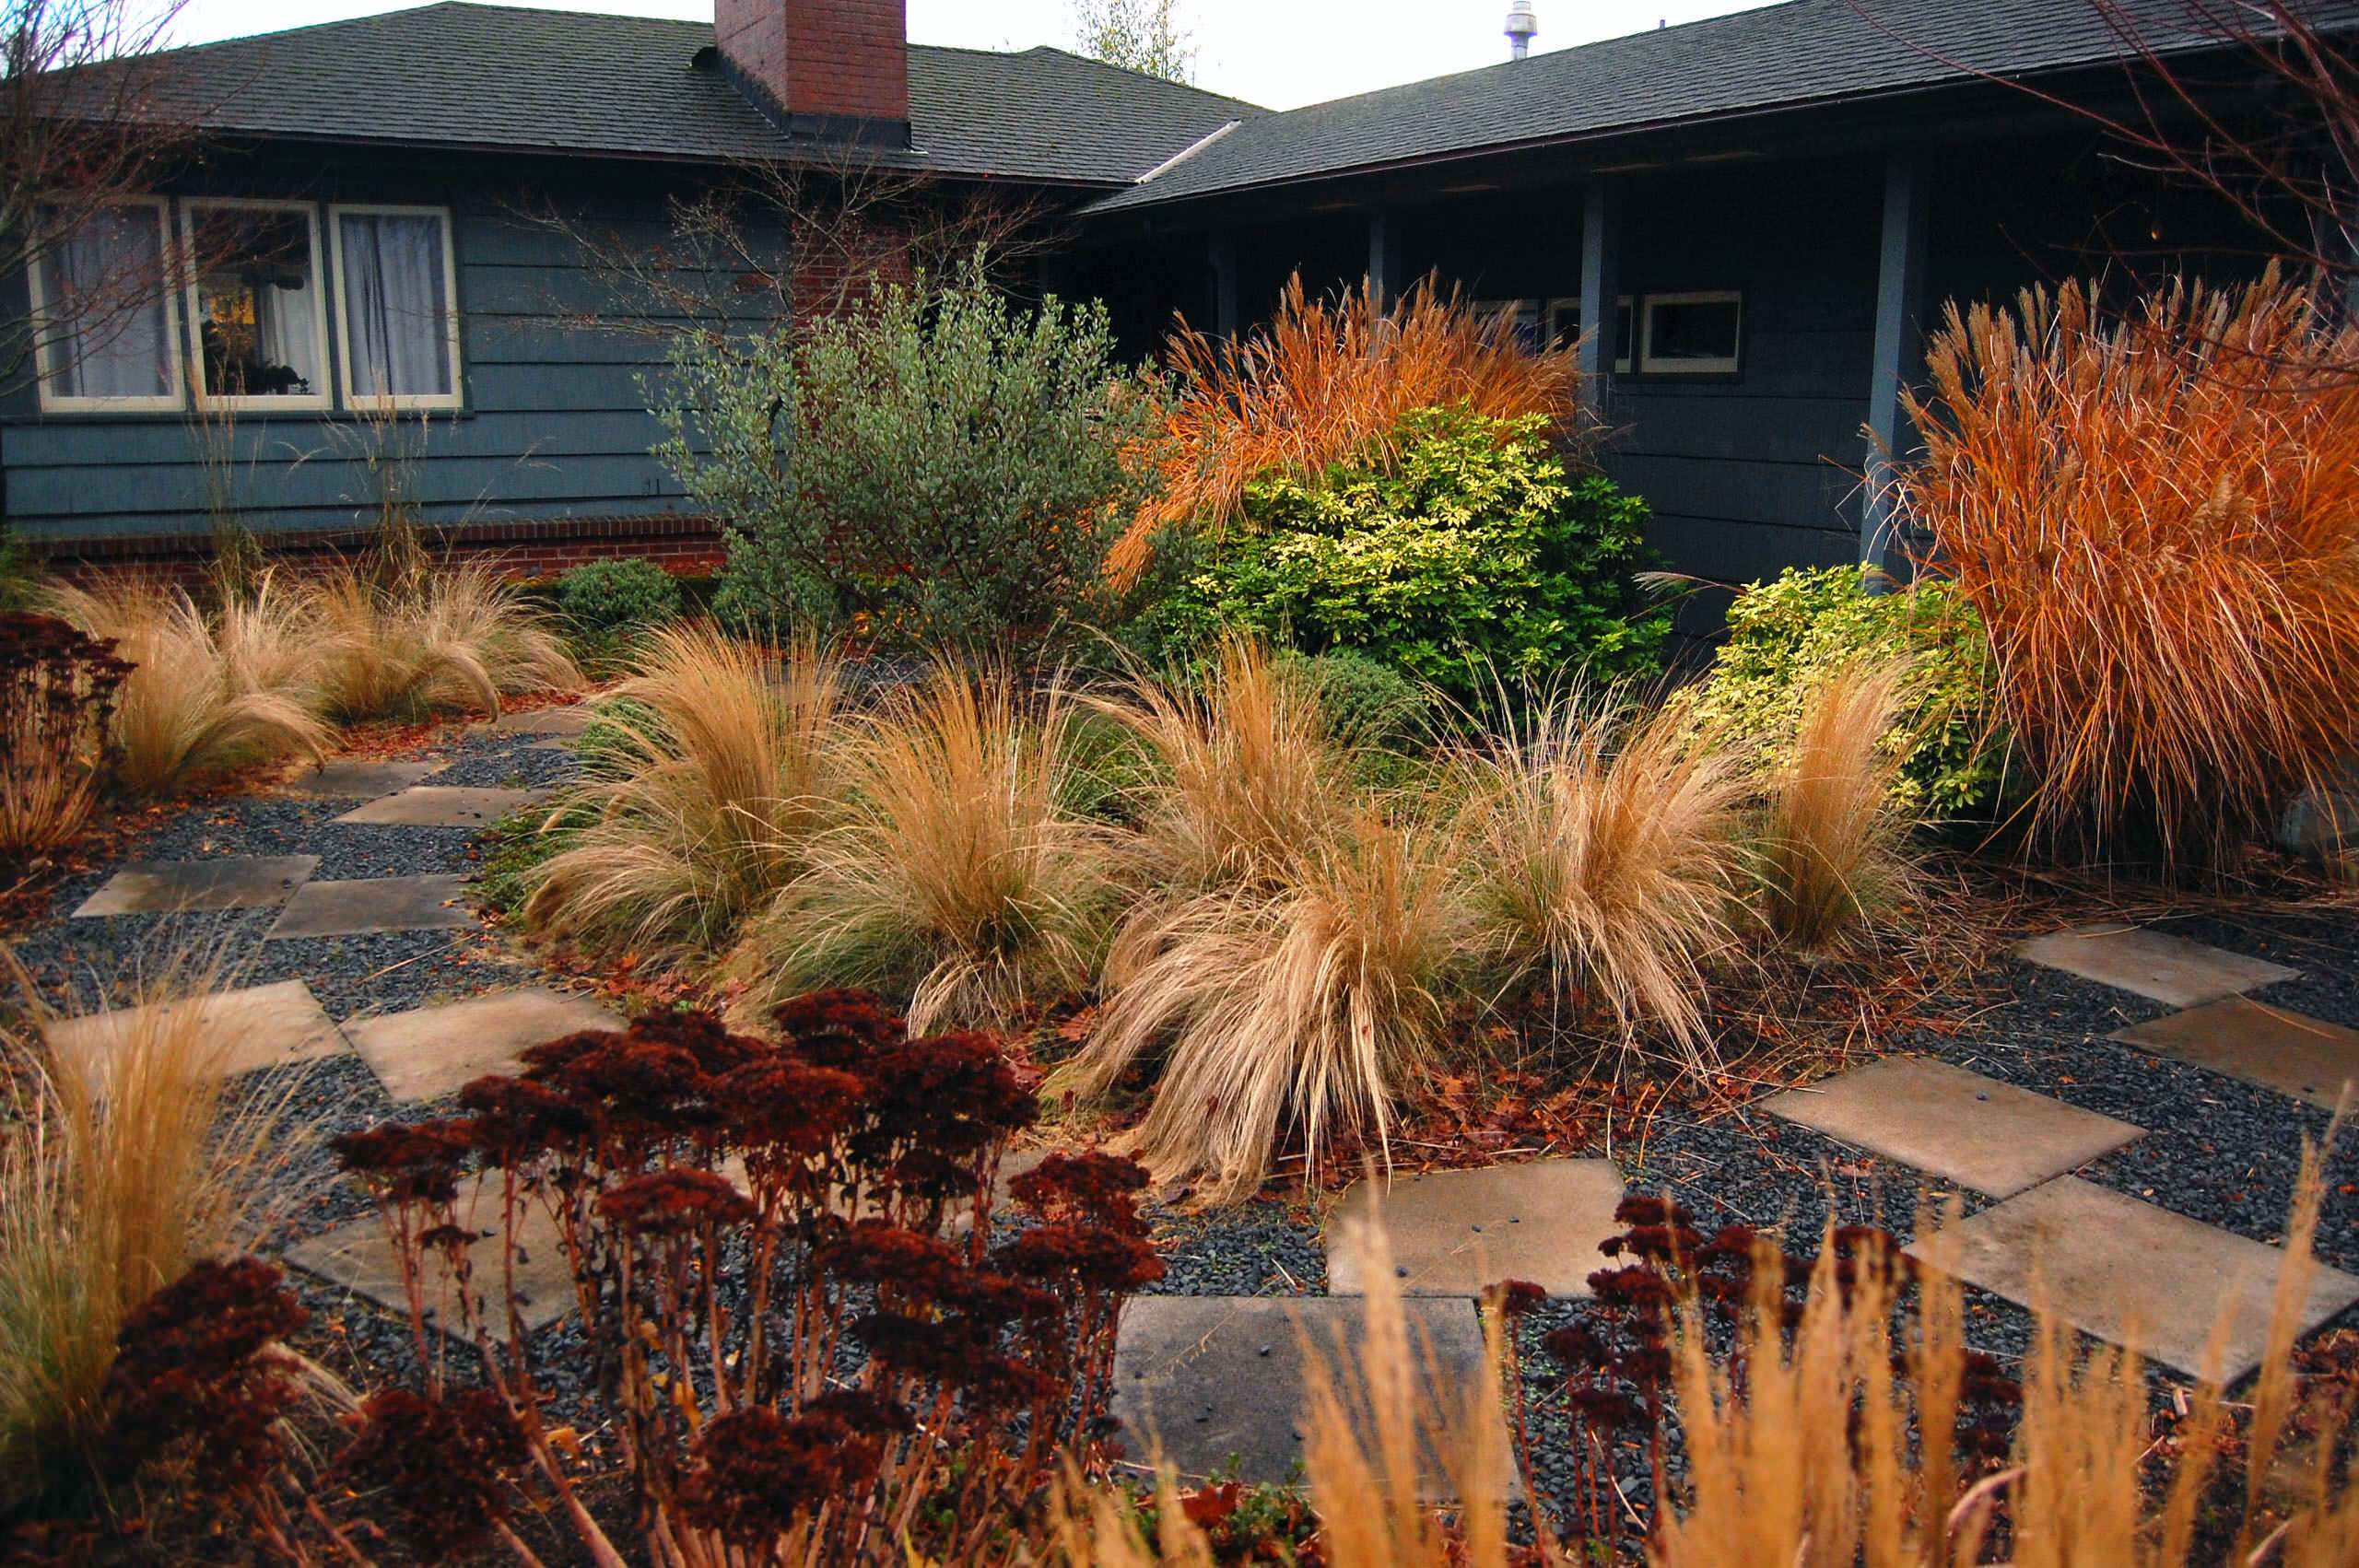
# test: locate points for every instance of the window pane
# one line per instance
(106, 324)
(1691, 329)
(397, 304)
(257, 286)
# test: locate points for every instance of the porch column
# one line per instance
(1600, 287)
(1224, 259)
(1384, 280)
(1899, 353)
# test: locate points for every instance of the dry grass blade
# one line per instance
(452, 636)
(961, 876)
(2159, 523)
(1604, 861)
(727, 769)
(1323, 379)
(123, 1167)
(1832, 841)
(1296, 1007)
(206, 692)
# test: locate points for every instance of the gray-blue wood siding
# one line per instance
(555, 423)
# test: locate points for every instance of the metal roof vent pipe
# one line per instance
(1521, 25)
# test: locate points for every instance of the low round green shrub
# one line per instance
(1788, 634)
(618, 596)
(1364, 701)
(1470, 558)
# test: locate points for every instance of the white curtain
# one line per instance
(104, 297)
(283, 329)
(396, 305)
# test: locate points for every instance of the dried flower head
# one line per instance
(446, 1464)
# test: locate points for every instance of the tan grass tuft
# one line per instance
(2159, 521)
(962, 876)
(727, 769)
(206, 692)
(452, 635)
(1832, 841)
(1602, 863)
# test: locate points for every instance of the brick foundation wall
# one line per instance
(684, 546)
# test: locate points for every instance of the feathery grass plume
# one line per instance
(400, 644)
(205, 692)
(120, 1166)
(1603, 860)
(1294, 1005)
(1831, 841)
(1248, 771)
(963, 876)
(725, 767)
(2158, 522)
(1324, 380)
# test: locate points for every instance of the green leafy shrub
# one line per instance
(941, 465)
(617, 597)
(1470, 557)
(1364, 701)
(1789, 636)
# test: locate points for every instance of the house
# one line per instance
(1758, 214)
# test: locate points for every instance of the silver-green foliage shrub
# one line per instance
(940, 465)
(1790, 634)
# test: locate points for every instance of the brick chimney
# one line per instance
(837, 69)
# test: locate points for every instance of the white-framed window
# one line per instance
(258, 302)
(106, 318)
(396, 306)
(1565, 326)
(1692, 335)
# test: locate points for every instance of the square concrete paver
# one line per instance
(2117, 1267)
(264, 1025)
(2168, 969)
(1201, 1379)
(434, 1051)
(543, 721)
(376, 904)
(155, 887)
(1957, 1125)
(433, 805)
(359, 779)
(1456, 1233)
(2306, 1058)
(359, 1257)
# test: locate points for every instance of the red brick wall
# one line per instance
(831, 57)
(682, 547)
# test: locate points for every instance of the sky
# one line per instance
(1280, 53)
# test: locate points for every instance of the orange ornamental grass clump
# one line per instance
(2158, 518)
(1326, 378)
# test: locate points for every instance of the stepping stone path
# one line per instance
(375, 904)
(266, 1025)
(2306, 1058)
(1458, 1232)
(2168, 969)
(159, 887)
(433, 1051)
(543, 721)
(430, 805)
(360, 1258)
(1960, 1125)
(2132, 1273)
(360, 779)
(1201, 1380)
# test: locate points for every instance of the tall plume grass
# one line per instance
(118, 1170)
(1296, 1006)
(726, 767)
(1326, 378)
(1831, 845)
(962, 874)
(394, 644)
(2159, 521)
(1602, 863)
(205, 691)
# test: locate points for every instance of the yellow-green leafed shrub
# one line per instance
(1788, 637)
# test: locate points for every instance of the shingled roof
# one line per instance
(503, 76)
(1797, 54)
